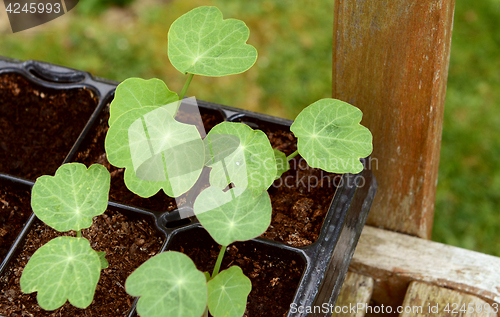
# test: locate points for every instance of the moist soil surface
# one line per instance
(274, 273)
(38, 125)
(14, 212)
(127, 241)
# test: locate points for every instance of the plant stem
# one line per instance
(205, 314)
(291, 156)
(219, 261)
(183, 92)
(186, 85)
(79, 233)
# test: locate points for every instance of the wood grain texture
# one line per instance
(390, 59)
(357, 289)
(394, 260)
(424, 299)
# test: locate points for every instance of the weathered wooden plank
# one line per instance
(390, 59)
(394, 260)
(357, 289)
(424, 299)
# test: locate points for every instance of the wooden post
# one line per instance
(390, 59)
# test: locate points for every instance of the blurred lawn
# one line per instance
(468, 194)
(294, 70)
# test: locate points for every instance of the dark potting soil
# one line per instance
(38, 125)
(274, 273)
(14, 212)
(92, 151)
(127, 241)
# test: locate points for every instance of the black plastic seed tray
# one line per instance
(325, 262)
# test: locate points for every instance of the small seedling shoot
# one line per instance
(160, 153)
(67, 268)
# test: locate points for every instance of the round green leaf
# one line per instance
(228, 292)
(239, 155)
(134, 93)
(66, 268)
(330, 136)
(200, 42)
(157, 151)
(72, 197)
(169, 285)
(235, 215)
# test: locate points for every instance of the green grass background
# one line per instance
(293, 70)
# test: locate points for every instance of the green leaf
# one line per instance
(157, 151)
(200, 42)
(240, 155)
(169, 285)
(66, 268)
(72, 197)
(134, 93)
(330, 136)
(235, 215)
(102, 259)
(228, 293)
(282, 164)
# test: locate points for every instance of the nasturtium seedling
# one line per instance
(67, 268)
(251, 164)
(331, 137)
(159, 152)
(235, 215)
(176, 286)
(72, 197)
(228, 292)
(200, 42)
